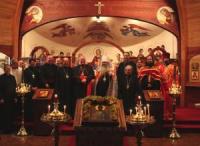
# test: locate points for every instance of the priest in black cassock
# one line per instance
(128, 88)
(7, 99)
(31, 74)
(82, 74)
(48, 73)
(31, 77)
(120, 69)
(64, 84)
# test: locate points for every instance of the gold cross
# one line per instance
(99, 5)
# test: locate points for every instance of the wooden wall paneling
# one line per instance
(183, 51)
(16, 29)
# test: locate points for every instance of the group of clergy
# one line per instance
(70, 83)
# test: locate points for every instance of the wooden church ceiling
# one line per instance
(7, 13)
(122, 31)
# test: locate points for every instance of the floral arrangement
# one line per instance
(100, 104)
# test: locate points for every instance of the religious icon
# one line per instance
(195, 66)
(63, 30)
(136, 30)
(43, 93)
(154, 94)
(34, 14)
(98, 31)
(165, 15)
(195, 75)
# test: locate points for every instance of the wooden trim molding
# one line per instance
(16, 29)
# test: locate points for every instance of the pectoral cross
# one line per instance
(99, 5)
(33, 76)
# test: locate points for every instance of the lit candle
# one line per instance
(142, 112)
(49, 107)
(145, 110)
(139, 97)
(148, 110)
(131, 111)
(65, 107)
(136, 110)
(56, 97)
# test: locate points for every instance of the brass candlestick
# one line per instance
(54, 118)
(174, 91)
(140, 119)
(142, 113)
(22, 90)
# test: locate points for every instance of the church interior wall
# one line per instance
(165, 38)
(33, 39)
(190, 44)
(2, 56)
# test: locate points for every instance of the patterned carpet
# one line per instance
(12, 140)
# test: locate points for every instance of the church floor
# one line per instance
(187, 139)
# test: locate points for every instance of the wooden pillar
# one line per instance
(183, 45)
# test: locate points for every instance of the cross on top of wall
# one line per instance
(99, 5)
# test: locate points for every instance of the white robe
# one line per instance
(17, 73)
(1, 71)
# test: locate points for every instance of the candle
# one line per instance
(139, 98)
(148, 110)
(56, 97)
(142, 112)
(131, 111)
(64, 108)
(49, 107)
(145, 110)
(136, 110)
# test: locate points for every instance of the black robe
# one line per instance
(48, 75)
(121, 67)
(102, 84)
(31, 77)
(80, 89)
(8, 94)
(64, 87)
(128, 91)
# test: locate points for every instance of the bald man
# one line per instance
(128, 88)
(64, 84)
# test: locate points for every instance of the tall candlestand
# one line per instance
(140, 120)
(22, 90)
(139, 125)
(175, 92)
(55, 118)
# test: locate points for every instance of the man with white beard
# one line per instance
(16, 71)
(104, 80)
(1, 71)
